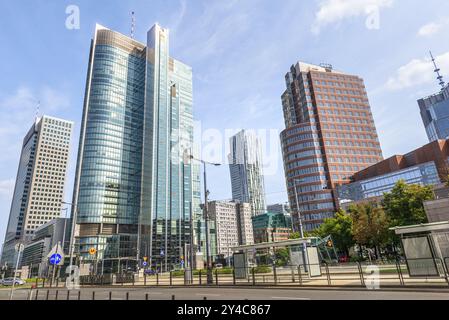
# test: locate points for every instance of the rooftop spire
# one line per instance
(133, 24)
(437, 71)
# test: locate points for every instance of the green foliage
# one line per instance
(340, 228)
(262, 269)
(370, 225)
(404, 205)
(282, 257)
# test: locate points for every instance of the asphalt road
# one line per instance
(226, 294)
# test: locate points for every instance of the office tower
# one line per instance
(233, 226)
(330, 135)
(39, 188)
(435, 110)
(283, 208)
(133, 191)
(246, 169)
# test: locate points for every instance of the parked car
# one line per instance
(10, 281)
(219, 266)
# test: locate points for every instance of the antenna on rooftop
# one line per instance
(133, 24)
(37, 109)
(437, 71)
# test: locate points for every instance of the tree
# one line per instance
(340, 228)
(404, 205)
(370, 226)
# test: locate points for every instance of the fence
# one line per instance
(391, 274)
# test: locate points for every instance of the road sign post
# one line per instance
(19, 248)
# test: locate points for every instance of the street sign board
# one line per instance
(19, 247)
(55, 259)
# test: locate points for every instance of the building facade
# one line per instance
(435, 114)
(39, 188)
(271, 227)
(428, 165)
(330, 135)
(246, 169)
(232, 226)
(283, 208)
(135, 196)
(45, 238)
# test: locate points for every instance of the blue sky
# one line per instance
(239, 51)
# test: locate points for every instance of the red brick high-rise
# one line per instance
(329, 136)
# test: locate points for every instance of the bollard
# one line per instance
(216, 277)
(205, 298)
(299, 275)
(328, 275)
(275, 275)
(201, 281)
(146, 297)
(157, 278)
(79, 295)
(127, 295)
(93, 295)
(254, 276)
(173, 297)
(48, 293)
(233, 276)
(68, 294)
(133, 280)
(144, 279)
(57, 293)
(37, 293)
(110, 295)
(171, 278)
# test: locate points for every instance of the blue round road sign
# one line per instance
(145, 263)
(55, 258)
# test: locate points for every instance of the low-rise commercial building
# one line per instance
(271, 227)
(427, 165)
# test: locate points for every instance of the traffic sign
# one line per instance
(19, 247)
(55, 259)
(145, 263)
(92, 251)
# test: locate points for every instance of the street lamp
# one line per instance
(210, 279)
(301, 230)
(72, 232)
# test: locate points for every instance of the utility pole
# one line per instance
(301, 230)
(19, 249)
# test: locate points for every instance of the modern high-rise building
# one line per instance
(134, 194)
(246, 169)
(39, 188)
(330, 135)
(233, 226)
(435, 110)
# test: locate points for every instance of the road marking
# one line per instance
(290, 298)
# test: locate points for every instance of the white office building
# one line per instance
(39, 188)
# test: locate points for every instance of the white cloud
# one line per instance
(417, 72)
(6, 187)
(432, 28)
(335, 11)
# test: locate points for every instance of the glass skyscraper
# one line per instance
(133, 192)
(435, 114)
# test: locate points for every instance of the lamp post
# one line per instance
(301, 230)
(210, 279)
(72, 231)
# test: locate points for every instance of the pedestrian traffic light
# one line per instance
(330, 244)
